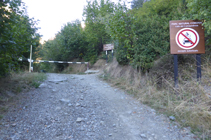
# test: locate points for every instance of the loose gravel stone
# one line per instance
(81, 108)
(143, 136)
(172, 118)
(13, 125)
(77, 105)
(64, 100)
(69, 104)
(79, 120)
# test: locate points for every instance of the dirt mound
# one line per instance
(99, 65)
(189, 103)
(75, 68)
(127, 72)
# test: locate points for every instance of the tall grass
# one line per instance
(15, 83)
(28, 79)
(21, 81)
(190, 103)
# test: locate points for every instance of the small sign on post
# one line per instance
(186, 37)
(108, 47)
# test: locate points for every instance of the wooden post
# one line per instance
(198, 64)
(112, 54)
(176, 70)
(88, 66)
(30, 59)
(106, 57)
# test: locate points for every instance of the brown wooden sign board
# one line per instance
(107, 47)
(186, 37)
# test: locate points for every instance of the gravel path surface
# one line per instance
(83, 107)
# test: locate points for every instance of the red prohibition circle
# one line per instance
(188, 39)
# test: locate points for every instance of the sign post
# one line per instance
(198, 64)
(106, 57)
(107, 47)
(30, 63)
(186, 37)
(175, 70)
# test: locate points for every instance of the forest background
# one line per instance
(140, 34)
(141, 38)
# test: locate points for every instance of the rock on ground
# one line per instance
(85, 109)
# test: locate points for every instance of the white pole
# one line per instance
(30, 59)
(106, 57)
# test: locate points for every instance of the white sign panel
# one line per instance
(187, 38)
(107, 47)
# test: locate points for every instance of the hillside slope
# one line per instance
(190, 103)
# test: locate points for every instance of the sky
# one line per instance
(53, 14)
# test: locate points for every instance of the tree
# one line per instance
(95, 30)
(17, 33)
(120, 27)
(200, 10)
(69, 44)
(135, 4)
(143, 34)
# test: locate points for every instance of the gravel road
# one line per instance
(83, 107)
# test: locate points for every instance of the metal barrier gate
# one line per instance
(46, 61)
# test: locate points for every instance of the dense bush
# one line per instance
(141, 34)
(17, 33)
(84, 44)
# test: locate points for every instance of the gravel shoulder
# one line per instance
(83, 107)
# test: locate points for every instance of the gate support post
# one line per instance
(30, 69)
(88, 66)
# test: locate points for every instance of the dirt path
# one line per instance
(82, 107)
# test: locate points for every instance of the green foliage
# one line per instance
(17, 33)
(120, 27)
(144, 32)
(35, 84)
(68, 44)
(74, 42)
(152, 41)
(135, 4)
(96, 17)
(140, 35)
(161, 7)
(201, 10)
(121, 55)
(107, 57)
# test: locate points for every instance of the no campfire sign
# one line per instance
(186, 37)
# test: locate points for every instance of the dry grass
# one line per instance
(99, 65)
(75, 68)
(190, 103)
(16, 83)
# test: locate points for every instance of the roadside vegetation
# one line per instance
(17, 33)
(16, 83)
(189, 103)
(143, 65)
(140, 34)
